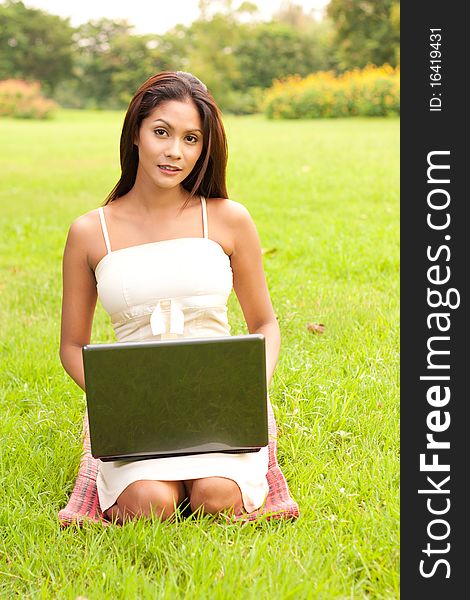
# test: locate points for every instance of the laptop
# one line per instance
(176, 396)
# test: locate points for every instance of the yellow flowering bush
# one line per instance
(23, 99)
(372, 91)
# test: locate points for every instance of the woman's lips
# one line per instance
(169, 171)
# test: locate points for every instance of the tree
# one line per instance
(365, 33)
(35, 45)
(134, 59)
(95, 63)
(294, 15)
(209, 8)
(268, 51)
(211, 54)
(395, 21)
(111, 62)
(175, 46)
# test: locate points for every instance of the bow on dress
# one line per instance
(157, 322)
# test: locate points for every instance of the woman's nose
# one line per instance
(173, 148)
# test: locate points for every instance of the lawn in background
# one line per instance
(324, 196)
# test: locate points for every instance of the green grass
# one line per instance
(324, 195)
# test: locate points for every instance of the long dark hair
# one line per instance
(208, 176)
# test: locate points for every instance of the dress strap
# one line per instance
(104, 229)
(204, 217)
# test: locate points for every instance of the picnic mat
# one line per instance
(83, 504)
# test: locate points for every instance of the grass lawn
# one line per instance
(324, 195)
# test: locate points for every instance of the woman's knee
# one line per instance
(146, 498)
(215, 494)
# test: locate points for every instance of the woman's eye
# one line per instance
(159, 131)
(192, 138)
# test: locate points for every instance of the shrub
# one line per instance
(372, 91)
(243, 102)
(23, 99)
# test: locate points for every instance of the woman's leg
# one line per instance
(144, 498)
(214, 494)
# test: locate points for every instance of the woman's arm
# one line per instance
(249, 283)
(78, 300)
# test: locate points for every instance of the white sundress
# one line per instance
(169, 289)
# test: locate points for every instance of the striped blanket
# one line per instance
(83, 503)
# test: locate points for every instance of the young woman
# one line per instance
(163, 254)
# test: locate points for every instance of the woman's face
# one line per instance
(169, 143)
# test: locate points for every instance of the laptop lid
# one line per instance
(176, 397)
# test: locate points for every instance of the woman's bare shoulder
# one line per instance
(231, 211)
(84, 228)
(234, 224)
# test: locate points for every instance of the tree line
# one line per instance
(101, 63)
